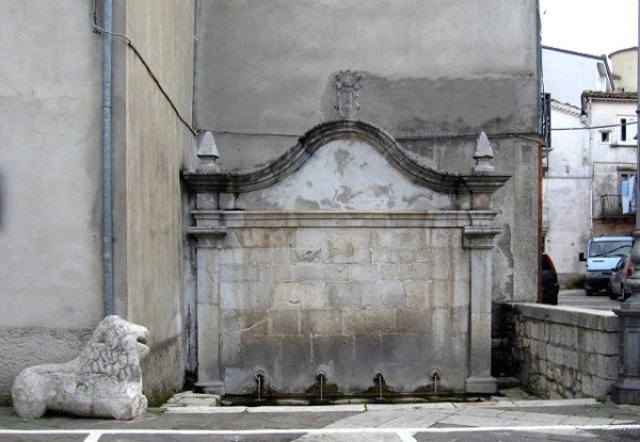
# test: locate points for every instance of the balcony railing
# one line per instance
(612, 206)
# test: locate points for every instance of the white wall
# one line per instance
(567, 193)
(567, 74)
(582, 168)
(567, 187)
(610, 158)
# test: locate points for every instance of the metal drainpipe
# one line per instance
(107, 207)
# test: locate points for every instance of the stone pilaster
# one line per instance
(208, 308)
(480, 242)
(627, 388)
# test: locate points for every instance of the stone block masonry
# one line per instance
(564, 351)
(354, 300)
(312, 270)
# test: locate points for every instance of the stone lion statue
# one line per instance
(103, 381)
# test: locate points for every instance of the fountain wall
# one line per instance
(347, 257)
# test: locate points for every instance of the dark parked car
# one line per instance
(550, 287)
(621, 272)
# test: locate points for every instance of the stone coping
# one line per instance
(601, 320)
(347, 218)
(319, 136)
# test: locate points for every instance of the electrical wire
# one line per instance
(607, 126)
(149, 70)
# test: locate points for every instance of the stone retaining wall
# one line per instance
(564, 351)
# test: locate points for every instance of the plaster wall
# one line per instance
(625, 64)
(346, 176)
(265, 69)
(569, 226)
(579, 162)
(567, 75)
(150, 218)
(50, 185)
(609, 159)
(567, 193)
(50, 168)
(265, 73)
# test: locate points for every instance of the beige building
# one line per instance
(625, 65)
(356, 224)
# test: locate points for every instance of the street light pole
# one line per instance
(638, 126)
(626, 390)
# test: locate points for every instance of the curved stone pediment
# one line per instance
(343, 165)
(345, 175)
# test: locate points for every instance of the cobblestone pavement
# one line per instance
(488, 420)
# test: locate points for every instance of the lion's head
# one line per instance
(115, 349)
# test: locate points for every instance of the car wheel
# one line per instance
(589, 292)
(624, 294)
(613, 295)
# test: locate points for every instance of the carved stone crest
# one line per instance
(348, 85)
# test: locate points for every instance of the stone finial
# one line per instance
(483, 156)
(208, 152)
(105, 380)
(348, 85)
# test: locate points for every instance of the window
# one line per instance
(628, 131)
(604, 136)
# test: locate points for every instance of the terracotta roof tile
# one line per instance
(610, 95)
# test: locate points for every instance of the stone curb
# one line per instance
(380, 407)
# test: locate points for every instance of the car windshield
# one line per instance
(609, 249)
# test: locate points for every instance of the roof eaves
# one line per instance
(580, 54)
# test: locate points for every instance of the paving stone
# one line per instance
(576, 420)
(369, 419)
(564, 415)
(474, 421)
(543, 418)
(417, 419)
(481, 412)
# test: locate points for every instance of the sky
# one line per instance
(594, 27)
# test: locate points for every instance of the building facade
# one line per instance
(352, 184)
(592, 153)
(51, 232)
(613, 158)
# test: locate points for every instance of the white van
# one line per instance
(603, 254)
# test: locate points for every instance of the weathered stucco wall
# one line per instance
(150, 217)
(342, 176)
(610, 159)
(434, 74)
(50, 236)
(428, 68)
(567, 194)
